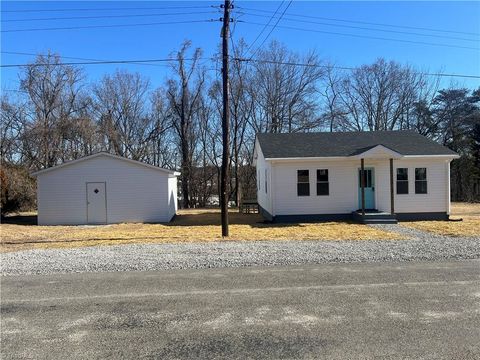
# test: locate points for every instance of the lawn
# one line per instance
(189, 226)
(469, 226)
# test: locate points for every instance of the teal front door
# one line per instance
(369, 188)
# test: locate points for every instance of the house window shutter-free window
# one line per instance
(303, 183)
(266, 185)
(420, 180)
(259, 180)
(322, 182)
(402, 181)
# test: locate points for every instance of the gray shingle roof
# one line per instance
(327, 144)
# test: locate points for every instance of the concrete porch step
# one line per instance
(379, 221)
(374, 217)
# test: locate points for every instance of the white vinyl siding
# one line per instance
(434, 201)
(172, 197)
(264, 198)
(342, 191)
(135, 193)
(343, 186)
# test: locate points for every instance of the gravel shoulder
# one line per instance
(145, 257)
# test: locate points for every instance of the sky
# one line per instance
(405, 35)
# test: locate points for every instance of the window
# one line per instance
(322, 182)
(303, 183)
(265, 181)
(402, 181)
(258, 179)
(367, 178)
(420, 180)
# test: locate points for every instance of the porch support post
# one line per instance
(362, 184)
(392, 195)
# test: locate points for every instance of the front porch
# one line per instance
(368, 214)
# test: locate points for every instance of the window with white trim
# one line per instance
(402, 181)
(303, 183)
(420, 180)
(322, 182)
(258, 179)
(266, 186)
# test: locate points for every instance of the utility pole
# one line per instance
(225, 119)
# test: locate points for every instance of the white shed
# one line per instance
(102, 189)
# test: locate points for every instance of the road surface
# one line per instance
(428, 310)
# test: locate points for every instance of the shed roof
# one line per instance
(345, 144)
(105, 154)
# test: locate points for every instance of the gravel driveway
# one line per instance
(142, 257)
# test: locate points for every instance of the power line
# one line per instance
(273, 28)
(13, 90)
(144, 61)
(346, 67)
(108, 26)
(265, 27)
(289, 63)
(110, 16)
(106, 9)
(367, 36)
(370, 29)
(101, 62)
(74, 58)
(368, 23)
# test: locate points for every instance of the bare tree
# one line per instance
(160, 140)
(285, 94)
(121, 106)
(184, 92)
(334, 115)
(12, 126)
(379, 96)
(53, 90)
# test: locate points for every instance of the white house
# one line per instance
(317, 176)
(103, 188)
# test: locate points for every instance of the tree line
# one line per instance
(57, 116)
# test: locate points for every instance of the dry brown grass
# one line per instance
(470, 226)
(189, 226)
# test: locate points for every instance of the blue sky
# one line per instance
(158, 41)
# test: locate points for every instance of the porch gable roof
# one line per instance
(377, 151)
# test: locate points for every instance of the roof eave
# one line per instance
(68, 163)
(442, 156)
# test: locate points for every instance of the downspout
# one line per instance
(447, 165)
(392, 193)
(362, 184)
(272, 187)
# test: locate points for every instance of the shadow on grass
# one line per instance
(235, 218)
(20, 219)
(194, 219)
(201, 219)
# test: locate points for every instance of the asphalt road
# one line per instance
(428, 310)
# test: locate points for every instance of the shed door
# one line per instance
(96, 203)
